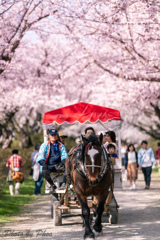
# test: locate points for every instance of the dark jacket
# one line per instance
(54, 155)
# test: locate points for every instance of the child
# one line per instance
(111, 150)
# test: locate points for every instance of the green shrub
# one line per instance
(153, 143)
(70, 142)
(15, 144)
(37, 138)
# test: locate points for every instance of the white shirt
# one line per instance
(131, 157)
(147, 161)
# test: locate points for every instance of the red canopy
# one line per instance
(82, 113)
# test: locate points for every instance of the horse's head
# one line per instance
(92, 156)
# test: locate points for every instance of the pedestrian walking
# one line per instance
(123, 154)
(37, 175)
(14, 163)
(146, 161)
(36, 147)
(131, 164)
(157, 156)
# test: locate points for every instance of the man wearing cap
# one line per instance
(51, 155)
(62, 137)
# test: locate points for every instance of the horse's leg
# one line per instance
(94, 205)
(99, 211)
(100, 208)
(86, 217)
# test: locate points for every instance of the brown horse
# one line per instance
(89, 171)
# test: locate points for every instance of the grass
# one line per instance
(155, 170)
(10, 206)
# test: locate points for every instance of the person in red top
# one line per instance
(157, 155)
(14, 163)
(157, 152)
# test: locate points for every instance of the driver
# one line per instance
(51, 155)
(88, 131)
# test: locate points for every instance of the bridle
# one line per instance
(89, 146)
(81, 166)
(105, 166)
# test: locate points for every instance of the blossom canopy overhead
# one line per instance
(81, 113)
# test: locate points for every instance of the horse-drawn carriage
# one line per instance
(90, 180)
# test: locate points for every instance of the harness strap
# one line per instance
(82, 168)
(92, 166)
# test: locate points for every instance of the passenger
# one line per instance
(51, 156)
(88, 131)
(62, 138)
(104, 138)
(79, 148)
(111, 139)
(111, 150)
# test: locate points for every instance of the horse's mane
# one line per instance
(94, 140)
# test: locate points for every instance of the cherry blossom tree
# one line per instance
(16, 18)
(56, 53)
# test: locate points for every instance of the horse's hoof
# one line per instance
(97, 234)
(89, 236)
(97, 230)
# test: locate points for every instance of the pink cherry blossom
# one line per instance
(55, 53)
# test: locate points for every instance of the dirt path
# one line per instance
(139, 218)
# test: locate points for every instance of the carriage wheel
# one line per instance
(57, 215)
(113, 217)
(53, 199)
